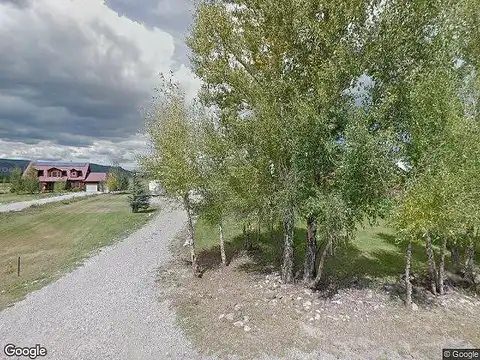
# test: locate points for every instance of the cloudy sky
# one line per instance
(74, 74)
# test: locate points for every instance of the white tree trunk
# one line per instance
(222, 245)
(408, 284)
(191, 237)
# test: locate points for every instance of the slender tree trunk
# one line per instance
(455, 256)
(272, 230)
(191, 237)
(321, 263)
(259, 230)
(431, 264)
(222, 245)
(246, 237)
(311, 250)
(288, 254)
(441, 267)
(469, 260)
(408, 265)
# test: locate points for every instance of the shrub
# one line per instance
(139, 198)
(30, 182)
(17, 185)
(60, 186)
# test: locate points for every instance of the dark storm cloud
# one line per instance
(78, 74)
(60, 81)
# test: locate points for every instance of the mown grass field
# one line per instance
(53, 239)
(373, 253)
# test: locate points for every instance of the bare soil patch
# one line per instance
(229, 312)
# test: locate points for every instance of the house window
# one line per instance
(73, 173)
(40, 173)
(64, 173)
(56, 173)
(79, 173)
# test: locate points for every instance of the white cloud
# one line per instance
(76, 71)
(101, 151)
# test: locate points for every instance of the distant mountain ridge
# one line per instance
(7, 166)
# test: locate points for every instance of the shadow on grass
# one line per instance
(354, 264)
(147, 211)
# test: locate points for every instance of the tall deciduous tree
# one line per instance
(172, 130)
(278, 72)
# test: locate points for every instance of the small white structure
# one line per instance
(155, 188)
(91, 187)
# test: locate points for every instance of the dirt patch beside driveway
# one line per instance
(229, 312)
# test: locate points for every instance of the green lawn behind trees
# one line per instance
(374, 253)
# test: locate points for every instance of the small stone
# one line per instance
(230, 317)
(476, 280)
(247, 328)
(270, 295)
(311, 319)
(299, 298)
(414, 307)
(238, 307)
(221, 316)
(246, 319)
(307, 303)
(308, 291)
(317, 316)
(238, 323)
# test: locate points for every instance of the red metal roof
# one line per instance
(96, 177)
(87, 176)
(75, 166)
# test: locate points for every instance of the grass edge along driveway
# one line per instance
(55, 238)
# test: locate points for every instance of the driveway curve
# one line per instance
(19, 206)
(109, 307)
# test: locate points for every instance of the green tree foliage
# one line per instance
(117, 179)
(17, 185)
(295, 133)
(139, 199)
(431, 103)
(60, 186)
(174, 160)
(111, 182)
(278, 72)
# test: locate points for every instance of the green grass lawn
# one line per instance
(54, 238)
(7, 198)
(373, 253)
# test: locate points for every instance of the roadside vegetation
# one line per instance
(53, 239)
(304, 124)
(6, 196)
(333, 146)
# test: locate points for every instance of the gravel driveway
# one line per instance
(108, 308)
(18, 206)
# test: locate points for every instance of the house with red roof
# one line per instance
(77, 175)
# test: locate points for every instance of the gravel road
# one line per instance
(108, 308)
(18, 206)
